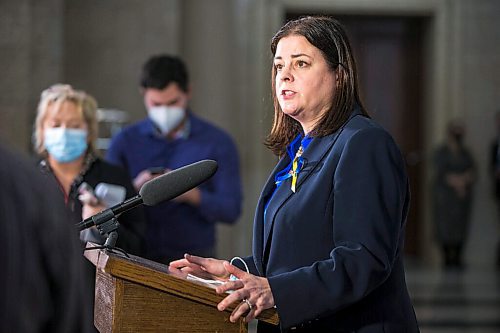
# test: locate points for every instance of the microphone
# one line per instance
(110, 194)
(161, 188)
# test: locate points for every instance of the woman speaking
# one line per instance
(330, 222)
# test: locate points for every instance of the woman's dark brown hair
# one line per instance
(329, 37)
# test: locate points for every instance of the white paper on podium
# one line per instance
(214, 283)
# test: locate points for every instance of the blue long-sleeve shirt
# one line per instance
(179, 227)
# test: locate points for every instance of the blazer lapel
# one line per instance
(259, 224)
(279, 197)
(317, 150)
(312, 156)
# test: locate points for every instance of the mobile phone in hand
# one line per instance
(156, 170)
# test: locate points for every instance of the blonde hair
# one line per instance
(55, 96)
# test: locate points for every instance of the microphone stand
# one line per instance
(108, 227)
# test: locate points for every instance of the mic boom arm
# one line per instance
(108, 214)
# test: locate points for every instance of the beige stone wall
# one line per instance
(106, 42)
(476, 98)
(224, 59)
(30, 58)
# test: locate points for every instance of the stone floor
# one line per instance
(465, 301)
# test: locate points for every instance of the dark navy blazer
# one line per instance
(333, 251)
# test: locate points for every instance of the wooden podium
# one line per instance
(138, 295)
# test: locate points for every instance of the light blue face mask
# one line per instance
(65, 144)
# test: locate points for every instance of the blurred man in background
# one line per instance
(171, 137)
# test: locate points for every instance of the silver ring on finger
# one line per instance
(250, 306)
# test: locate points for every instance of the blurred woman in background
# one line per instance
(454, 179)
(65, 139)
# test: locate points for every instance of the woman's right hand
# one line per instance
(90, 204)
(207, 268)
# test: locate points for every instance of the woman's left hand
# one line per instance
(252, 293)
